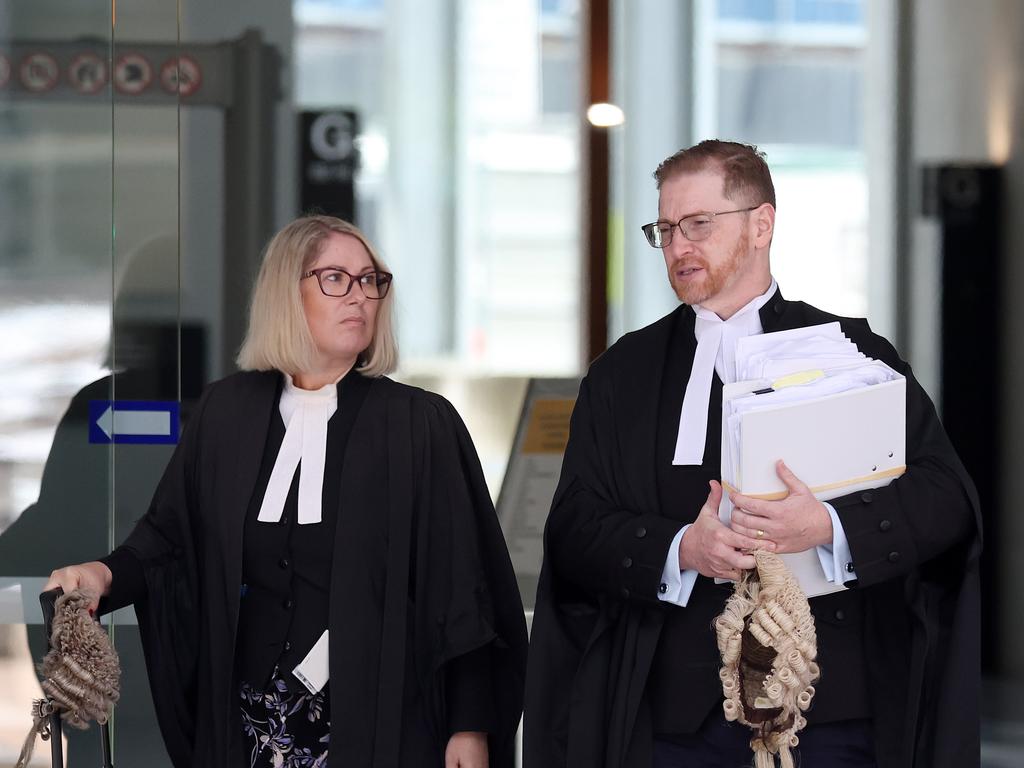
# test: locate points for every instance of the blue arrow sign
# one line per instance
(134, 421)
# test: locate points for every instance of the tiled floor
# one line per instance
(19, 688)
(1002, 724)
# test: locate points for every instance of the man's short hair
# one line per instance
(745, 173)
(278, 337)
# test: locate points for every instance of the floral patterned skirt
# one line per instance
(285, 726)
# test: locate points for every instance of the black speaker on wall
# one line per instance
(967, 200)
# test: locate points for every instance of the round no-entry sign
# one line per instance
(133, 74)
(38, 72)
(87, 73)
(181, 75)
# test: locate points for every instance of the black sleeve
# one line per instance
(602, 549)
(592, 543)
(469, 612)
(128, 580)
(469, 692)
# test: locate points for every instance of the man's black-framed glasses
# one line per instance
(336, 282)
(697, 226)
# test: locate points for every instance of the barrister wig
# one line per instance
(81, 672)
(768, 644)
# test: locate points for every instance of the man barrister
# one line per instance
(623, 660)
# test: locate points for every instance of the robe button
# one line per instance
(779, 308)
(288, 604)
(627, 562)
(625, 593)
(663, 588)
(287, 646)
(894, 557)
(849, 567)
(284, 562)
(840, 615)
(884, 526)
(284, 519)
(867, 497)
(641, 532)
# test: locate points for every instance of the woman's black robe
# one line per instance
(420, 576)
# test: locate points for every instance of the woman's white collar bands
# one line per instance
(305, 413)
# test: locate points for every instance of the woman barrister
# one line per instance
(319, 520)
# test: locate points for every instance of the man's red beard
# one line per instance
(712, 279)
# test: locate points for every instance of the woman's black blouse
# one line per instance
(286, 567)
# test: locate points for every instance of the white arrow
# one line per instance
(134, 422)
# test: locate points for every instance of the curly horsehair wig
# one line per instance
(768, 644)
(81, 672)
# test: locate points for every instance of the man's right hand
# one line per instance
(712, 548)
(93, 577)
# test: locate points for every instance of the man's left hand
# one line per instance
(795, 523)
(466, 749)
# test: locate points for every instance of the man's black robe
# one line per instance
(420, 576)
(597, 621)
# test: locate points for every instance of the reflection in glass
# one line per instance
(55, 278)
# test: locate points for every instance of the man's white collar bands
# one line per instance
(716, 350)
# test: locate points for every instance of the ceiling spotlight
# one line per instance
(604, 115)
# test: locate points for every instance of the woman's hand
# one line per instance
(466, 749)
(92, 577)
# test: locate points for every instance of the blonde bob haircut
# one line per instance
(278, 337)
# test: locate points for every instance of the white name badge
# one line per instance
(313, 670)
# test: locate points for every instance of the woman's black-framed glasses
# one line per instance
(697, 226)
(336, 282)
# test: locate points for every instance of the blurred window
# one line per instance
(789, 76)
(796, 11)
(468, 183)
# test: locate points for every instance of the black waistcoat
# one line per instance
(286, 567)
(683, 686)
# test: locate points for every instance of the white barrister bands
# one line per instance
(305, 414)
(716, 344)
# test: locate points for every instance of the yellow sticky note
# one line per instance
(797, 379)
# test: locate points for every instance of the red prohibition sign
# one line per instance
(133, 74)
(181, 75)
(87, 73)
(39, 72)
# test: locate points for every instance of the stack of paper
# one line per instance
(837, 418)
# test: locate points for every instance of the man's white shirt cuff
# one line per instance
(676, 585)
(836, 559)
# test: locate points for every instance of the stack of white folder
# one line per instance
(837, 418)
